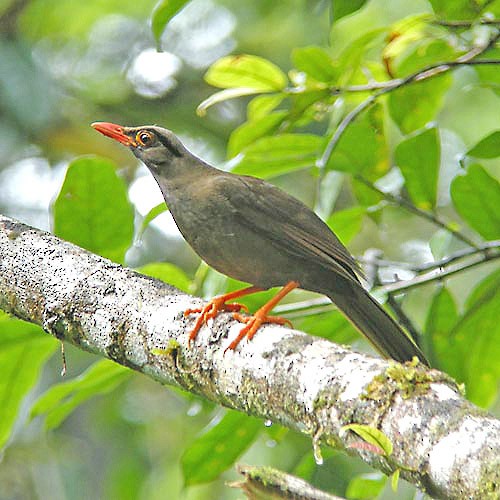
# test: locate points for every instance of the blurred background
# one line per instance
(65, 64)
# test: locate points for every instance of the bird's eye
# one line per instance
(144, 138)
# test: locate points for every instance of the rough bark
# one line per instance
(441, 442)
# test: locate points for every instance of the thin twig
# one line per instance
(423, 74)
(467, 24)
(433, 271)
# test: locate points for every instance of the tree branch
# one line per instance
(442, 443)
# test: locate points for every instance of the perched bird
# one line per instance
(252, 231)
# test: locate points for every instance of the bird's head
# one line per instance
(157, 147)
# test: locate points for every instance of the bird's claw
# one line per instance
(210, 311)
(253, 323)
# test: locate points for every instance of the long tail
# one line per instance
(375, 324)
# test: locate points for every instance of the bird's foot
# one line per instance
(253, 323)
(209, 311)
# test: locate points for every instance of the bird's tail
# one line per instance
(375, 324)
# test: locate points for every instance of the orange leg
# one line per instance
(216, 305)
(260, 317)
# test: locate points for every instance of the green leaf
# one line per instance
(246, 71)
(315, 62)
(418, 103)
(162, 13)
(250, 131)
(169, 273)
(395, 480)
(363, 146)
(371, 435)
(476, 196)
(92, 209)
(151, 215)
(488, 147)
(478, 332)
(61, 399)
(366, 486)
(347, 223)
(217, 449)
(456, 10)
(24, 348)
(441, 319)
(418, 158)
(331, 325)
(488, 73)
(262, 105)
(222, 96)
(342, 8)
(272, 156)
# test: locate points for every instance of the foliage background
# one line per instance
(64, 64)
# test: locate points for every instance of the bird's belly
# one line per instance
(237, 251)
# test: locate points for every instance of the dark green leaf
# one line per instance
(217, 449)
(418, 158)
(169, 273)
(24, 348)
(162, 13)
(250, 131)
(370, 159)
(455, 10)
(92, 209)
(347, 223)
(488, 147)
(478, 332)
(246, 71)
(366, 486)
(272, 156)
(331, 325)
(61, 399)
(315, 62)
(476, 196)
(441, 318)
(343, 8)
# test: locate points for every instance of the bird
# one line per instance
(252, 231)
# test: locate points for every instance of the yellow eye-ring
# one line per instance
(144, 137)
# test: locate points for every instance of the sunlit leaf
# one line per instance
(488, 147)
(246, 71)
(395, 480)
(262, 105)
(315, 62)
(418, 103)
(24, 349)
(276, 155)
(167, 272)
(222, 96)
(476, 196)
(217, 449)
(250, 131)
(162, 13)
(62, 399)
(92, 209)
(418, 158)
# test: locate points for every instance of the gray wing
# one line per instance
(292, 226)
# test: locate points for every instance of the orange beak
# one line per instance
(114, 131)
